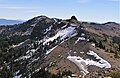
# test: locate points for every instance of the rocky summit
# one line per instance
(45, 47)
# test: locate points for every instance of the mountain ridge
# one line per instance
(56, 46)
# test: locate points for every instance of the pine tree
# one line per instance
(119, 47)
(100, 44)
(105, 39)
(116, 54)
(94, 40)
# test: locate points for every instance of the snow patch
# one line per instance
(81, 63)
(37, 70)
(48, 29)
(33, 25)
(75, 52)
(29, 54)
(67, 32)
(35, 59)
(79, 38)
(41, 18)
(19, 76)
(59, 22)
(64, 26)
(88, 39)
(93, 44)
(20, 44)
(101, 63)
(17, 45)
(23, 57)
(55, 19)
(51, 50)
(73, 24)
(31, 51)
(82, 28)
(82, 52)
(82, 34)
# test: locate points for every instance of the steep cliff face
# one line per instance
(56, 45)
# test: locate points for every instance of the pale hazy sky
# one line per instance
(85, 10)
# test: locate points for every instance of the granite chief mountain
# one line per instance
(45, 47)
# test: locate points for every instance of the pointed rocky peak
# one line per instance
(74, 21)
(73, 18)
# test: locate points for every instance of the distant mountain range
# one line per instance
(9, 22)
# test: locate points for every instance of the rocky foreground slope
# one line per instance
(54, 48)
